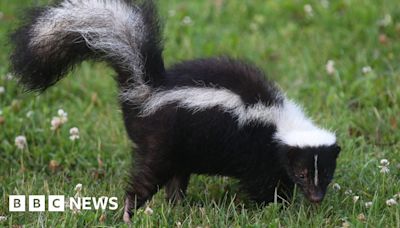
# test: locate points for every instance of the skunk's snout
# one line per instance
(316, 197)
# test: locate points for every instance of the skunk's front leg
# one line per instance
(148, 176)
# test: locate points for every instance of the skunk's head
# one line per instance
(311, 168)
(308, 153)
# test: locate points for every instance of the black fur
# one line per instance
(37, 72)
(152, 48)
(174, 142)
(243, 79)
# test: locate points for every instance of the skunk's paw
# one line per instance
(127, 212)
(127, 218)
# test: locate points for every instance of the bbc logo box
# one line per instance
(36, 203)
(16, 203)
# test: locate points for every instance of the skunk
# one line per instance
(216, 116)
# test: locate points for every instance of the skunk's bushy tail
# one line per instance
(53, 39)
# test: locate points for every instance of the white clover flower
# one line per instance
(55, 123)
(29, 114)
(391, 202)
(61, 112)
(74, 133)
(59, 120)
(330, 67)
(187, 20)
(348, 192)
(178, 224)
(3, 218)
(385, 21)
(78, 187)
(384, 166)
(384, 162)
(63, 116)
(366, 69)
(20, 142)
(368, 204)
(355, 199)
(2, 90)
(336, 186)
(308, 10)
(148, 211)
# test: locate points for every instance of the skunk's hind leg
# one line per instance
(176, 187)
(149, 175)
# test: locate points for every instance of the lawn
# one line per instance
(340, 59)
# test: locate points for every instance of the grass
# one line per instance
(280, 37)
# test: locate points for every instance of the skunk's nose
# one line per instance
(316, 197)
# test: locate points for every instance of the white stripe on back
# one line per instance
(293, 127)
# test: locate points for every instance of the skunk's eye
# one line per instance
(301, 174)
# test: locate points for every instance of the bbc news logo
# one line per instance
(57, 203)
